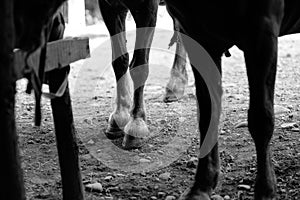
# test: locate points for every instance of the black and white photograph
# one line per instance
(150, 100)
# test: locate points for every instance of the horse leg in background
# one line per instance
(207, 173)
(261, 59)
(145, 18)
(64, 125)
(114, 18)
(178, 76)
(10, 168)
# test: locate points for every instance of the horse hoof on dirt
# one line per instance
(170, 96)
(136, 132)
(175, 89)
(189, 195)
(116, 124)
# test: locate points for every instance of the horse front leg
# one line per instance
(136, 131)
(114, 16)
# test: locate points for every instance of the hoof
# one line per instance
(189, 195)
(113, 133)
(170, 96)
(175, 89)
(136, 132)
(116, 124)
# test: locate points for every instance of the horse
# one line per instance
(254, 27)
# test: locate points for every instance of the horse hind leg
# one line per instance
(261, 69)
(178, 77)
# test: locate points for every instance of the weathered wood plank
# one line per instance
(59, 54)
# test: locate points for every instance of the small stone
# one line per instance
(165, 176)
(288, 125)
(161, 194)
(91, 142)
(226, 197)
(244, 187)
(114, 189)
(295, 129)
(143, 174)
(216, 197)
(109, 198)
(108, 178)
(94, 187)
(170, 197)
(144, 160)
(153, 198)
(160, 152)
(122, 175)
(156, 187)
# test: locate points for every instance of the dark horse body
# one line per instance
(23, 25)
(130, 117)
(253, 26)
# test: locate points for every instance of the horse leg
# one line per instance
(114, 17)
(10, 168)
(178, 76)
(261, 59)
(207, 173)
(145, 18)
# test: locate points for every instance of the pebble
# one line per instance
(160, 152)
(95, 187)
(170, 197)
(144, 160)
(122, 175)
(161, 194)
(165, 176)
(109, 198)
(288, 125)
(216, 197)
(91, 142)
(108, 178)
(153, 198)
(226, 197)
(295, 129)
(114, 189)
(243, 187)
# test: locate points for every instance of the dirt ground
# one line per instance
(165, 166)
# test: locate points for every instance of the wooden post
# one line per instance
(65, 138)
(12, 186)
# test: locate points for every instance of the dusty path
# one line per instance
(165, 166)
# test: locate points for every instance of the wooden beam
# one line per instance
(59, 54)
